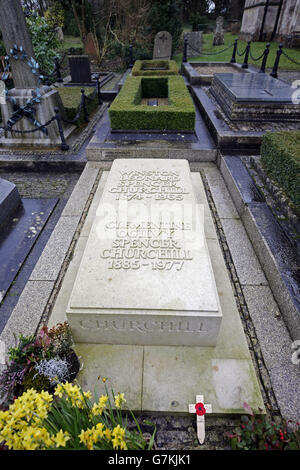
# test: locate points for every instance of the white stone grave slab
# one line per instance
(145, 277)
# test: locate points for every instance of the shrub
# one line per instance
(280, 156)
(260, 433)
(166, 16)
(126, 112)
(44, 41)
(117, 49)
(196, 19)
(55, 15)
(140, 66)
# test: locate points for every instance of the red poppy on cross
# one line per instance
(200, 409)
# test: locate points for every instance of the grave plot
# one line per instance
(151, 307)
(152, 116)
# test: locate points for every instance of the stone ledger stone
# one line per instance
(80, 69)
(255, 97)
(162, 45)
(146, 276)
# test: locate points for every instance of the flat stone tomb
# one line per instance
(255, 96)
(145, 277)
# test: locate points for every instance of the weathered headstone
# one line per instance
(89, 45)
(59, 33)
(194, 38)
(146, 276)
(80, 69)
(162, 45)
(219, 32)
(15, 33)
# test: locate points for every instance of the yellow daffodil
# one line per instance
(119, 400)
(61, 438)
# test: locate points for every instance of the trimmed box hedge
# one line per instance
(126, 112)
(140, 65)
(71, 97)
(280, 156)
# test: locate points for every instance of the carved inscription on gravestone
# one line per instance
(141, 244)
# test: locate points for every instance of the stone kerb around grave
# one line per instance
(146, 276)
(162, 45)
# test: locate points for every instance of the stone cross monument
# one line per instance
(15, 33)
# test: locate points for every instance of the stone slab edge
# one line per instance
(98, 153)
(28, 312)
(268, 261)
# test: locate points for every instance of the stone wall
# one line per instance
(288, 29)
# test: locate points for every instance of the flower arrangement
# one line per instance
(69, 420)
(38, 362)
(259, 433)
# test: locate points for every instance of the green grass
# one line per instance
(257, 49)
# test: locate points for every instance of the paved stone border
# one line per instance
(253, 344)
(268, 241)
(268, 320)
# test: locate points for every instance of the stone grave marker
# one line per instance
(80, 69)
(15, 33)
(146, 275)
(219, 32)
(162, 45)
(194, 38)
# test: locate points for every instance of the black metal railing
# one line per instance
(82, 108)
(246, 54)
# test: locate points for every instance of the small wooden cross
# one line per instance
(200, 409)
